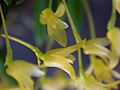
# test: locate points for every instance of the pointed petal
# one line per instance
(60, 62)
(57, 34)
(114, 36)
(60, 10)
(99, 41)
(102, 72)
(92, 84)
(65, 51)
(61, 24)
(97, 50)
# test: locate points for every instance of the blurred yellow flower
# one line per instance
(58, 58)
(23, 71)
(55, 26)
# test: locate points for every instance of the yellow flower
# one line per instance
(118, 5)
(114, 36)
(55, 26)
(23, 71)
(102, 71)
(57, 58)
(97, 47)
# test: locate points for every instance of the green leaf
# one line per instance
(76, 10)
(39, 28)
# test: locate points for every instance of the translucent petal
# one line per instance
(114, 36)
(118, 5)
(60, 36)
(70, 58)
(57, 32)
(99, 41)
(57, 23)
(60, 62)
(113, 60)
(98, 50)
(101, 71)
(60, 10)
(22, 72)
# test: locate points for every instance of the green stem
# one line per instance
(77, 39)
(112, 20)
(38, 53)
(9, 57)
(74, 30)
(50, 4)
(89, 18)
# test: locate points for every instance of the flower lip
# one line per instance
(37, 72)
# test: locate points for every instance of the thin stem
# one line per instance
(50, 3)
(81, 71)
(38, 53)
(74, 30)
(112, 19)
(89, 18)
(77, 39)
(9, 57)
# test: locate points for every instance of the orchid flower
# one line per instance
(97, 47)
(58, 58)
(23, 71)
(55, 26)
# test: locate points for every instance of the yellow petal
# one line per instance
(97, 47)
(44, 17)
(99, 41)
(92, 84)
(60, 10)
(70, 58)
(113, 60)
(118, 5)
(64, 51)
(22, 72)
(60, 37)
(57, 32)
(60, 62)
(114, 36)
(102, 72)
(97, 50)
